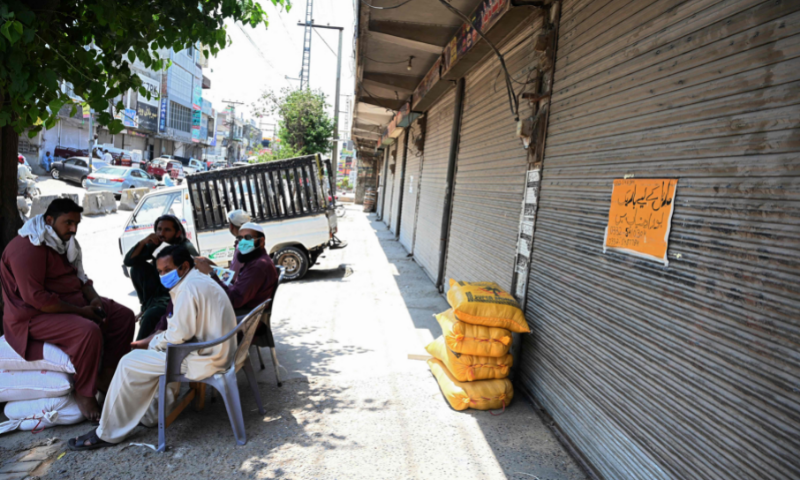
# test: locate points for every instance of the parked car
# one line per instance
(298, 222)
(116, 179)
(75, 169)
(160, 166)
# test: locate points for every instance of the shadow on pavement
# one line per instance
(521, 443)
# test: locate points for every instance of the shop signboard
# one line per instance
(427, 81)
(197, 110)
(153, 87)
(484, 17)
(147, 117)
(162, 116)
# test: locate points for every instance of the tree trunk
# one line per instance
(10, 220)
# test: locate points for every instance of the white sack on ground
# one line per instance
(54, 359)
(40, 414)
(16, 385)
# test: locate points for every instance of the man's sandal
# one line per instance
(79, 444)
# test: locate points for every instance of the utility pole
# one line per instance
(231, 124)
(309, 25)
(91, 137)
(305, 69)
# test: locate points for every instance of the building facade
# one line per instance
(636, 192)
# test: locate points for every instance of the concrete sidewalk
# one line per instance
(352, 406)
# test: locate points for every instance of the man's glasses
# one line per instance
(247, 237)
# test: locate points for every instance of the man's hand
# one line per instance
(144, 343)
(90, 313)
(96, 303)
(151, 239)
(203, 264)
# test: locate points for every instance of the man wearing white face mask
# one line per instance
(255, 275)
(202, 312)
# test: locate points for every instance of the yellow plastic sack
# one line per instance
(468, 368)
(473, 339)
(483, 395)
(485, 303)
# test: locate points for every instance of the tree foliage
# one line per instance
(279, 151)
(91, 44)
(304, 125)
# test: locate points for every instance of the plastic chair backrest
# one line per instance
(176, 353)
(251, 322)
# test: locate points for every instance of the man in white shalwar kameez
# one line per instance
(202, 312)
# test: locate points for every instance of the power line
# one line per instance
(264, 57)
(387, 63)
(326, 43)
(513, 101)
(385, 8)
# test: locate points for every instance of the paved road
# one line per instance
(352, 406)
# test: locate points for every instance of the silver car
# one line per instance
(117, 179)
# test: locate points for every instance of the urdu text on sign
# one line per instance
(640, 217)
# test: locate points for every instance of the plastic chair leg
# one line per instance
(276, 366)
(260, 360)
(251, 379)
(162, 413)
(229, 391)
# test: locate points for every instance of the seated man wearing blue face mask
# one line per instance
(202, 312)
(255, 275)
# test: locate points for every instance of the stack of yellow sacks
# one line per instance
(471, 358)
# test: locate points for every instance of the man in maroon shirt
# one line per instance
(255, 275)
(48, 298)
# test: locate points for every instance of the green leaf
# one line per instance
(131, 56)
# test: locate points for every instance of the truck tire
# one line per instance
(294, 260)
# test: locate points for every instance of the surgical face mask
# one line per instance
(246, 246)
(170, 279)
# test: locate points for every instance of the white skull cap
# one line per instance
(238, 217)
(252, 226)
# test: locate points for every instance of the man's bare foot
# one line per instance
(88, 407)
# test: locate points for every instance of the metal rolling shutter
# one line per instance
(398, 175)
(134, 143)
(411, 190)
(490, 175)
(388, 208)
(433, 184)
(384, 175)
(689, 371)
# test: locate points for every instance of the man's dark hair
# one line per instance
(179, 254)
(60, 206)
(175, 223)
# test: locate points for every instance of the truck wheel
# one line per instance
(294, 260)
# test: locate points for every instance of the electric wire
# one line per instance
(385, 8)
(387, 63)
(326, 43)
(513, 100)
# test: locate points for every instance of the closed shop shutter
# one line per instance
(398, 175)
(73, 137)
(490, 175)
(383, 183)
(411, 190)
(433, 184)
(134, 143)
(689, 371)
(388, 208)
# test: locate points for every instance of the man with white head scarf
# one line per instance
(49, 298)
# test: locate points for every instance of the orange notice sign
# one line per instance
(640, 217)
